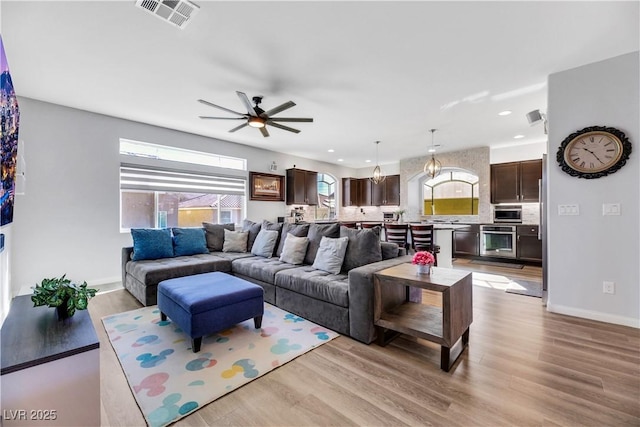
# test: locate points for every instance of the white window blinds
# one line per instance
(134, 177)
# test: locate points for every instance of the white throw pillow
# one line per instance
(294, 249)
(265, 243)
(235, 241)
(331, 254)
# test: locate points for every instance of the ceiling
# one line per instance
(365, 71)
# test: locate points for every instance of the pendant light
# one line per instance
(433, 167)
(377, 177)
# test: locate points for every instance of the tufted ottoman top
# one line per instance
(208, 291)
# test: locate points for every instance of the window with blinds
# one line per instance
(157, 196)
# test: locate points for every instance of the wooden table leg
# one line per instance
(445, 352)
(385, 336)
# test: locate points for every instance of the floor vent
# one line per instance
(175, 12)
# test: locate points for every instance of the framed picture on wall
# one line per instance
(266, 187)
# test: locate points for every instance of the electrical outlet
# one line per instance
(608, 287)
(568, 210)
(611, 209)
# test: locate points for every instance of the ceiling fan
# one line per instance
(256, 117)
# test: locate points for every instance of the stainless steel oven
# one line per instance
(508, 214)
(498, 241)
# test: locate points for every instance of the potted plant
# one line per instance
(61, 293)
(399, 213)
(424, 260)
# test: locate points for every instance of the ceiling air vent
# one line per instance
(175, 12)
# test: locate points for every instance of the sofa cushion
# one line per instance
(233, 255)
(316, 231)
(151, 272)
(299, 230)
(330, 254)
(215, 235)
(235, 241)
(315, 283)
(263, 269)
(275, 226)
(150, 243)
(265, 243)
(294, 249)
(363, 248)
(389, 250)
(253, 228)
(189, 241)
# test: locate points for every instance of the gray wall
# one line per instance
(68, 220)
(588, 249)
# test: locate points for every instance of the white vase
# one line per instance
(424, 268)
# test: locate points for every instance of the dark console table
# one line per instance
(50, 369)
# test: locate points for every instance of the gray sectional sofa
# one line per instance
(343, 302)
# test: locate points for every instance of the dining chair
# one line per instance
(422, 239)
(349, 224)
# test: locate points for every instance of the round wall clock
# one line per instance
(594, 152)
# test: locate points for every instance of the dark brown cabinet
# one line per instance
(528, 247)
(302, 187)
(356, 192)
(515, 182)
(466, 241)
(387, 193)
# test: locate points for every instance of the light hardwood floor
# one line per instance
(524, 367)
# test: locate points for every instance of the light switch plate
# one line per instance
(611, 209)
(568, 210)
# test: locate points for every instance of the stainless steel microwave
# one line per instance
(507, 213)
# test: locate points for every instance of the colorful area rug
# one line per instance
(169, 381)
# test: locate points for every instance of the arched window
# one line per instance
(453, 192)
(326, 208)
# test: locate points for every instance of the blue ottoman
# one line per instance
(211, 302)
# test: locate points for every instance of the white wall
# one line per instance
(588, 249)
(518, 152)
(68, 220)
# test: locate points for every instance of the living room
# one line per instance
(68, 219)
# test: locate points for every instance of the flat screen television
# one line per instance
(9, 123)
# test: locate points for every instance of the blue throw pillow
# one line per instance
(189, 241)
(150, 243)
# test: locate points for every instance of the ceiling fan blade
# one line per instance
(238, 127)
(219, 107)
(264, 131)
(280, 108)
(223, 118)
(277, 125)
(291, 119)
(245, 100)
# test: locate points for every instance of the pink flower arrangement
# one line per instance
(423, 258)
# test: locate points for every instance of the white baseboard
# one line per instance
(594, 315)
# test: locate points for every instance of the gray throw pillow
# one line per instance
(253, 228)
(265, 243)
(235, 241)
(330, 255)
(300, 230)
(214, 234)
(275, 226)
(316, 231)
(364, 247)
(294, 249)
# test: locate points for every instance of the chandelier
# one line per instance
(377, 177)
(433, 167)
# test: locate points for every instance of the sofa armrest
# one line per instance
(362, 297)
(126, 257)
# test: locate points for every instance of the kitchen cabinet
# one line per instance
(302, 187)
(515, 182)
(466, 241)
(356, 192)
(387, 193)
(528, 247)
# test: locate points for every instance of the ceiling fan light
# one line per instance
(256, 122)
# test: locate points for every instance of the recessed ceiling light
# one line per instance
(504, 113)
(331, 150)
(431, 150)
(518, 137)
(367, 161)
(341, 160)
